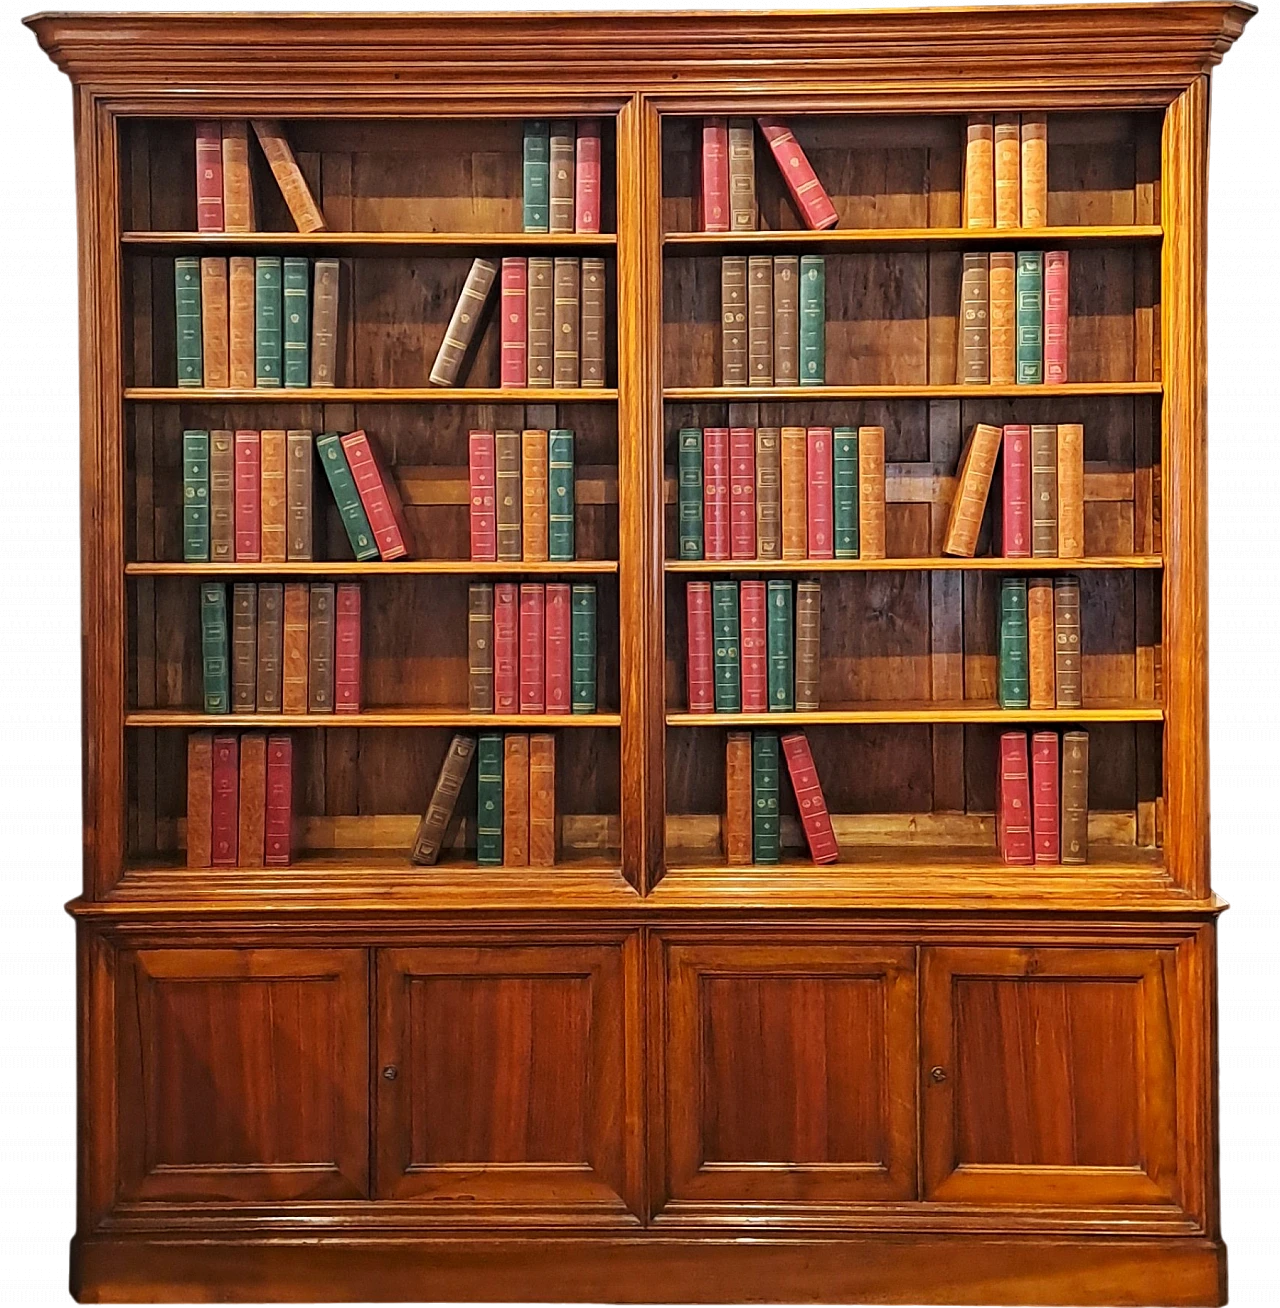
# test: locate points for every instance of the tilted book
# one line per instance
(972, 485)
(284, 168)
(337, 472)
(814, 818)
(376, 487)
(441, 813)
(463, 323)
(811, 199)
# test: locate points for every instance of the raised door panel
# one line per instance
(789, 1074)
(505, 1077)
(1050, 1076)
(244, 1074)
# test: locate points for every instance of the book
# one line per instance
(742, 175)
(754, 647)
(270, 646)
(222, 496)
(533, 495)
(563, 141)
(483, 509)
(1006, 152)
(1035, 170)
(515, 767)
(979, 171)
(242, 358)
(506, 647)
(320, 649)
(871, 524)
(559, 663)
(715, 490)
(540, 307)
(1002, 328)
(1040, 646)
(766, 780)
(742, 492)
(814, 818)
(337, 472)
(214, 655)
(187, 322)
(244, 647)
(1056, 316)
(975, 333)
(1068, 679)
(200, 799)
(1074, 841)
(760, 320)
(1013, 800)
(1044, 797)
(586, 177)
(560, 495)
(209, 176)
(237, 176)
(248, 496)
(480, 647)
(439, 817)
(565, 322)
(195, 496)
(1070, 490)
(1044, 491)
(509, 493)
(779, 628)
(591, 339)
(811, 199)
(300, 479)
(714, 191)
(463, 322)
(273, 457)
(689, 491)
(1013, 688)
(214, 322)
(225, 809)
(813, 320)
(294, 660)
(324, 322)
(346, 647)
(733, 320)
(279, 819)
(786, 320)
(542, 799)
(1015, 490)
(973, 484)
(582, 632)
(268, 323)
(701, 677)
(533, 641)
(489, 800)
(808, 619)
(793, 462)
(844, 492)
(737, 797)
(768, 461)
(725, 648)
(251, 838)
(296, 280)
(820, 531)
(284, 168)
(537, 175)
(376, 487)
(1029, 314)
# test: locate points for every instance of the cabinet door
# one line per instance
(244, 1074)
(504, 1075)
(789, 1073)
(1049, 1076)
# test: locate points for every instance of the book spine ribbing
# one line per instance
(320, 648)
(346, 648)
(300, 495)
(1056, 316)
(689, 492)
(734, 336)
(560, 495)
(559, 661)
(214, 321)
(1013, 800)
(214, 648)
(541, 315)
(586, 177)
(506, 648)
(766, 779)
(195, 496)
(1002, 327)
(975, 332)
(226, 800)
(284, 167)
(253, 799)
(1044, 796)
(248, 496)
(268, 326)
(768, 493)
(480, 638)
(786, 320)
(187, 323)
(726, 635)
(742, 492)
(737, 798)
(715, 490)
(200, 799)
(844, 492)
(1068, 680)
(760, 320)
(563, 142)
(566, 359)
(1015, 517)
(820, 538)
(484, 521)
(489, 800)
(583, 637)
(506, 446)
(1008, 187)
(537, 175)
(514, 322)
(742, 175)
(979, 171)
(244, 647)
(1044, 491)
(294, 660)
(275, 497)
(242, 371)
(337, 472)
(429, 840)
(813, 320)
(780, 627)
(871, 493)
(376, 487)
(1035, 170)
(755, 647)
(810, 801)
(297, 321)
(209, 176)
(715, 175)
(324, 323)
(1075, 797)
(542, 800)
(270, 646)
(533, 643)
(1040, 650)
(808, 649)
(591, 340)
(1029, 289)
(279, 814)
(1014, 689)
(701, 665)
(533, 494)
(463, 322)
(237, 177)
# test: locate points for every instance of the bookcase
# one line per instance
(645, 1073)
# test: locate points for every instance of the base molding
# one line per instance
(649, 1268)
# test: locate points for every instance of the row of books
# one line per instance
(773, 320)
(224, 176)
(1040, 643)
(281, 647)
(531, 648)
(754, 646)
(562, 175)
(1006, 170)
(781, 493)
(1014, 316)
(239, 799)
(251, 321)
(522, 495)
(1042, 797)
(1041, 509)
(728, 195)
(753, 784)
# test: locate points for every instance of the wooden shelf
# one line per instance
(352, 568)
(938, 711)
(370, 395)
(879, 238)
(389, 717)
(751, 394)
(442, 243)
(939, 564)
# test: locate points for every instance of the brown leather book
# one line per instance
(1035, 170)
(244, 647)
(733, 320)
(742, 175)
(506, 446)
(237, 179)
(1001, 318)
(515, 799)
(222, 496)
(284, 168)
(320, 649)
(760, 319)
(786, 320)
(808, 664)
(200, 799)
(871, 537)
(1044, 491)
(480, 647)
(251, 849)
(566, 317)
(975, 329)
(241, 360)
(297, 606)
(324, 323)
(214, 325)
(795, 493)
(1040, 648)
(593, 291)
(979, 172)
(1068, 673)
(464, 322)
(737, 797)
(1070, 490)
(1075, 797)
(275, 516)
(300, 490)
(1008, 148)
(441, 816)
(563, 141)
(533, 488)
(541, 311)
(973, 483)
(270, 646)
(768, 493)
(542, 800)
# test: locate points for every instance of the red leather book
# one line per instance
(753, 647)
(715, 492)
(1044, 796)
(818, 462)
(533, 644)
(248, 451)
(1015, 515)
(279, 801)
(226, 800)
(814, 817)
(484, 504)
(559, 680)
(1056, 306)
(742, 492)
(586, 177)
(209, 217)
(346, 649)
(715, 174)
(1013, 800)
(378, 494)
(702, 674)
(514, 313)
(809, 194)
(506, 648)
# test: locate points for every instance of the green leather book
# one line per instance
(725, 643)
(537, 175)
(297, 322)
(1029, 290)
(489, 800)
(195, 496)
(690, 492)
(560, 546)
(268, 333)
(1015, 679)
(215, 647)
(582, 646)
(186, 285)
(766, 821)
(813, 320)
(844, 489)
(333, 460)
(780, 644)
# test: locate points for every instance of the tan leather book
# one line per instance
(506, 446)
(270, 646)
(324, 322)
(275, 497)
(222, 493)
(760, 319)
(975, 321)
(1044, 491)
(1070, 490)
(1035, 170)
(237, 179)
(284, 168)
(979, 171)
(1040, 648)
(973, 484)
(244, 647)
(214, 325)
(593, 329)
(533, 487)
(300, 480)
(542, 800)
(742, 175)
(786, 320)
(563, 142)
(463, 323)
(1068, 672)
(320, 648)
(768, 493)
(1075, 797)
(480, 647)
(541, 311)
(566, 314)
(1002, 317)
(297, 607)
(241, 361)
(515, 799)
(808, 645)
(442, 815)
(1008, 174)
(871, 536)
(733, 320)
(251, 849)
(737, 797)
(795, 493)
(200, 799)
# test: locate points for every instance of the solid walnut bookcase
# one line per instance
(914, 1075)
